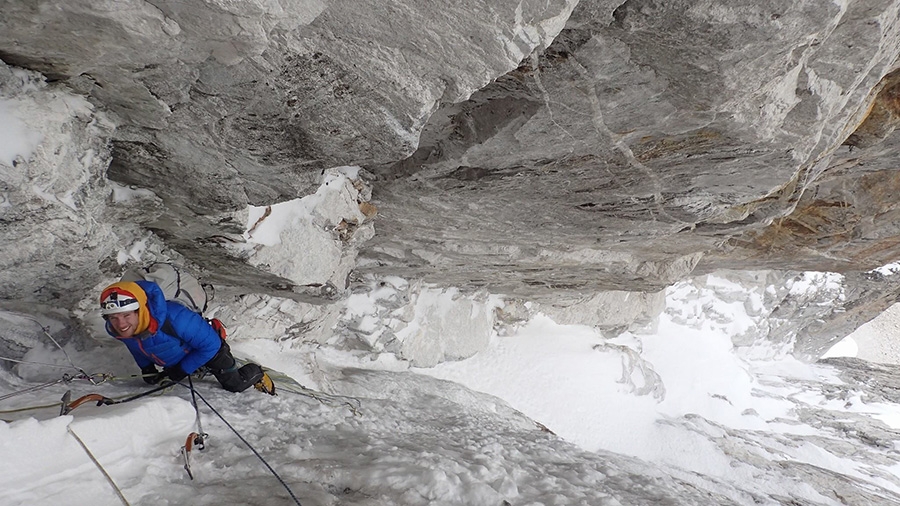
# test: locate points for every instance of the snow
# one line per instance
(265, 224)
(388, 433)
(567, 377)
(873, 341)
(124, 193)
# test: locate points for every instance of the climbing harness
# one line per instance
(97, 463)
(260, 457)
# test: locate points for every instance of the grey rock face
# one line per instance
(650, 140)
(526, 148)
(54, 216)
(246, 103)
(580, 156)
(255, 96)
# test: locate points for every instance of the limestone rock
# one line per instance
(529, 149)
(54, 206)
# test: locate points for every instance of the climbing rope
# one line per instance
(288, 384)
(94, 379)
(46, 331)
(194, 438)
(97, 463)
(68, 405)
(28, 408)
(352, 403)
(238, 434)
(97, 378)
(200, 432)
(66, 378)
(35, 363)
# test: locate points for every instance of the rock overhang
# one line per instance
(527, 149)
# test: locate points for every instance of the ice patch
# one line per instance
(16, 139)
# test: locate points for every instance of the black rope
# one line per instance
(164, 386)
(260, 457)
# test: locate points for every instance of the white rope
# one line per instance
(97, 463)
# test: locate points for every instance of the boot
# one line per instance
(265, 384)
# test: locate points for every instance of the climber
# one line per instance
(165, 333)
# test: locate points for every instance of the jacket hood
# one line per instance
(146, 320)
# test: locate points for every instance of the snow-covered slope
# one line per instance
(563, 416)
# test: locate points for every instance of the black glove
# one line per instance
(150, 374)
(175, 373)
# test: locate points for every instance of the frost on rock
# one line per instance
(313, 240)
(258, 316)
(52, 195)
(443, 325)
(421, 324)
(611, 311)
(778, 307)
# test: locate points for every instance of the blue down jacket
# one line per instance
(194, 345)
